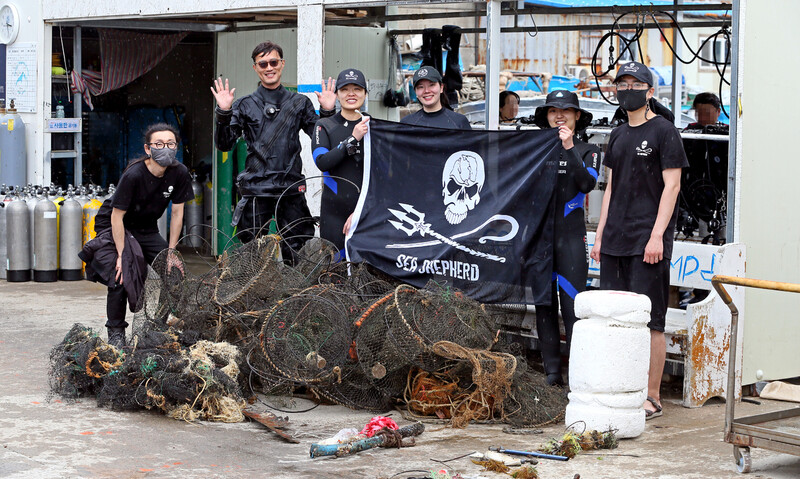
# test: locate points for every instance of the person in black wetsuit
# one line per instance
(435, 110)
(337, 150)
(270, 119)
(577, 175)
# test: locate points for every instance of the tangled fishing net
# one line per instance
(255, 327)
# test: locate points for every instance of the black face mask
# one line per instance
(632, 100)
(165, 156)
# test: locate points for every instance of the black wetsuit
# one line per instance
(444, 118)
(270, 121)
(577, 175)
(338, 154)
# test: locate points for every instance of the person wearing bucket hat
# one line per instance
(634, 238)
(435, 112)
(578, 165)
(337, 151)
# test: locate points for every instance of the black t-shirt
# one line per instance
(444, 118)
(637, 155)
(144, 196)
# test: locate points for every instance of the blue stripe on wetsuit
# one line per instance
(592, 172)
(574, 204)
(327, 180)
(566, 286)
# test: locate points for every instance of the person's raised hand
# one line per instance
(223, 94)
(565, 135)
(361, 128)
(327, 97)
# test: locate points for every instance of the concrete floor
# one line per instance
(54, 439)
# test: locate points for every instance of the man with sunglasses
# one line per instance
(270, 119)
(637, 221)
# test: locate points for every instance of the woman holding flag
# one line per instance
(338, 152)
(577, 175)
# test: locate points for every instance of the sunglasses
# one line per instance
(273, 63)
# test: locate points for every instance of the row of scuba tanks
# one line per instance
(42, 229)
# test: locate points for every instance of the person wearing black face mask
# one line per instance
(126, 225)
(637, 221)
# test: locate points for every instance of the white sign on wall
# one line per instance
(21, 77)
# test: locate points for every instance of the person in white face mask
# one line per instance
(126, 225)
(637, 221)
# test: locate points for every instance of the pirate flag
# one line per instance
(470, 209)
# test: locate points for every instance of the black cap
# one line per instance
(561, 99)
(351, 77)
(427, 73)
(636, 70)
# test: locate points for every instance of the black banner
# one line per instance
(471, 209)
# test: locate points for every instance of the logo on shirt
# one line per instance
(301, 188)
(643, 150)
(168, 193)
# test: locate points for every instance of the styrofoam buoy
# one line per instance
(609, 362)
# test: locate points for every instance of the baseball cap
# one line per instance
(636, 70)
(427, 73)
(351, 77)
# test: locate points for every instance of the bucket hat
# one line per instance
(561, 99)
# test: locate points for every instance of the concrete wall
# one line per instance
(768, 172)
(33, 30)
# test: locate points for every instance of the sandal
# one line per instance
(648, 414)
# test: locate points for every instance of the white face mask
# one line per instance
(165, 156)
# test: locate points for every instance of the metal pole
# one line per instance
(77, 106)
(492, 85)
(677, 68)
(731, 231)
(730, 396)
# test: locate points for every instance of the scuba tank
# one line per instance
(193, 216)
(90, 210)
(13, 168)
(33, 197)
(45, 244)
(18, 261)
(82, 198)
(70, 239)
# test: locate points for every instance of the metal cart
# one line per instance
(776, 431)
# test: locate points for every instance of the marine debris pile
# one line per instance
(254, 327)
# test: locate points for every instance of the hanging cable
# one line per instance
(720, 66)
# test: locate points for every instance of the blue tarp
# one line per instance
(622, 3)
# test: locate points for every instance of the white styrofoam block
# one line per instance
(609, 304)
(604, 358)
(627, 422)
(631, 400)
